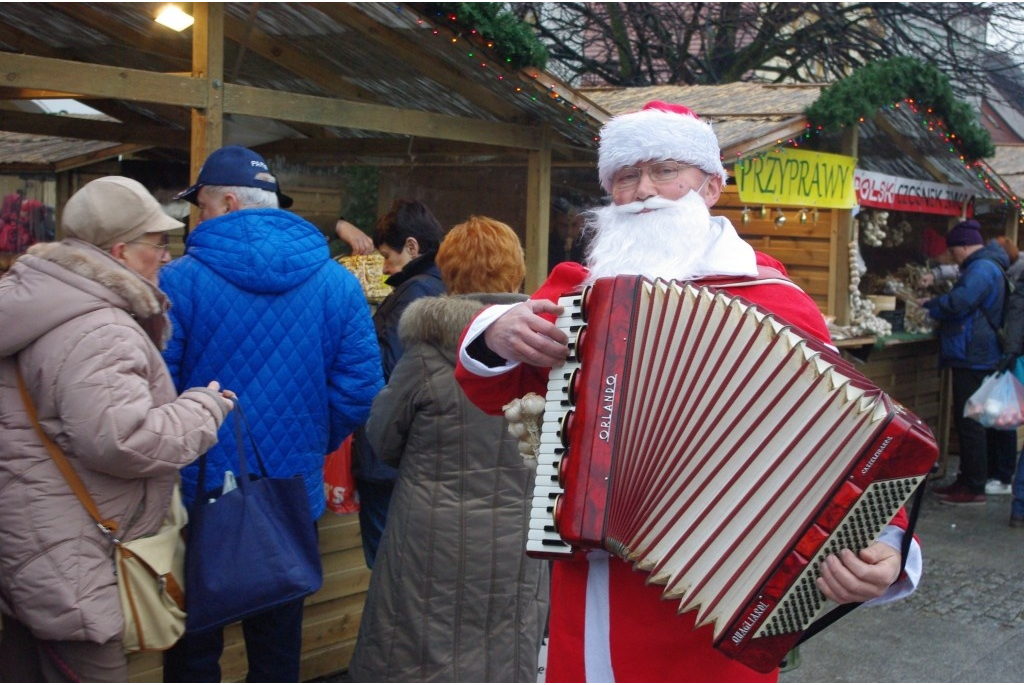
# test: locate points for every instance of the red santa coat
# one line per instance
(607, 624)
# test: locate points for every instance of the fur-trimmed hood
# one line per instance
(56, 282)
(439, 321)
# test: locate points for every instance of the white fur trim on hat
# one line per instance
(656, 134)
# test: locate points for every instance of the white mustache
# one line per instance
(654, 202)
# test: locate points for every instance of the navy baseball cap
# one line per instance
(235, 165)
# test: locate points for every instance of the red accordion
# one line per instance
(721, 451)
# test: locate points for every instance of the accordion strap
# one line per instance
(765, 275)
(842, 610)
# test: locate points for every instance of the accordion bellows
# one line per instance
(721, 451)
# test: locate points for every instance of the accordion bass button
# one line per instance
(583, 302)
(556, 515)
(563, 465)
(577, 347)
(574, 378)
(564, 426)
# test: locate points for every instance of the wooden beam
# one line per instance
(208, 69)
(542, 82)
(382, 147)
(30, 94)
(399, 44)
(97, 156)
(842, 234)
(26, 71)
(785, 130)
(329, 112)
(25, 168)
(538, 213)
(91, 129)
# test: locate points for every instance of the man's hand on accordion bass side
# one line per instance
(522, 335)
(847, 577)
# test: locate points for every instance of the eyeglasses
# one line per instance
(659, 172)
(163, 247)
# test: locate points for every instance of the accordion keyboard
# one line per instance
(543, 539)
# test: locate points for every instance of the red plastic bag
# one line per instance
(339, 486)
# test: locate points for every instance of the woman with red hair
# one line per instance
(452, 598)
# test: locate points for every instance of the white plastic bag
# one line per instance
(998, 402)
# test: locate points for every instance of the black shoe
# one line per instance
(1016, 521)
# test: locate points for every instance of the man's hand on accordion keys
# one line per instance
(847, 577)
(522, 335)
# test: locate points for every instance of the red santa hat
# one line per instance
(659, 131)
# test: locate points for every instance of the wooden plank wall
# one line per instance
(331, 620)
(909, 373)
(803, 247)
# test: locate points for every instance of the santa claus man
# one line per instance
(663, 169)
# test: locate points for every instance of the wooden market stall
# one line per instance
(433, 107)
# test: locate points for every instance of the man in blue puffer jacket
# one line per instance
(258, 303)
(969, 316)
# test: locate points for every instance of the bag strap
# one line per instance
(107, 527)
(240, 419)
(1008, 288)
(243, 466)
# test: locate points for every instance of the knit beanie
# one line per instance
(965, 233)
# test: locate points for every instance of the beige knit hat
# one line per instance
(114, 209)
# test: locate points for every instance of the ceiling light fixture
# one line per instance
(174, 18)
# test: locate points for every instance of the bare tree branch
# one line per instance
(684, 43)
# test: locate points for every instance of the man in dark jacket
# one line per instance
(257, 299)
(969, 316)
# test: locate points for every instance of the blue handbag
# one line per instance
(250, 549)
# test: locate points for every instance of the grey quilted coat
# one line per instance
(453, 597)
(85, 331)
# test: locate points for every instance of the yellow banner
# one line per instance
(797, 177)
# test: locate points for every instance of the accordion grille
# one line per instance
(804, 603)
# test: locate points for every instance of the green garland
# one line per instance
(884, 82)
(514, 41)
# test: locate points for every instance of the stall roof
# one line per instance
(397, 75)
(741, 113)
(748, 117)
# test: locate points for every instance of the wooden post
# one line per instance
(207, 64)
(538, 211)
(842, 235)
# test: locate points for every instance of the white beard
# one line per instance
(677, 240)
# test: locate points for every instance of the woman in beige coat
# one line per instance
(84, 322)
(453, 596)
